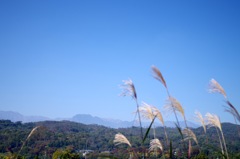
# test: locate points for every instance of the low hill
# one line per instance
(52, 135)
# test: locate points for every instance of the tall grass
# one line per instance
(189, 134)
(200, 119)
(129, 90)
(28, 137)
(121, 139)
(147, 112)
(158, 75)
(150, 112)
(160, 118)
(213, 120)
(173, 106)
(155, 144)
(215, 87)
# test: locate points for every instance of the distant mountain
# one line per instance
(14, 116)
(114, 123)
(171, 124)
(86, 119)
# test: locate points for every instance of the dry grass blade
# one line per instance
(121, 139)
(199, 118)
(173, 105)
(129, 89)
(155, 144)
(189, 135)
(214, 86)
(158, 75)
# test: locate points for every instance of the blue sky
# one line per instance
(61, 58)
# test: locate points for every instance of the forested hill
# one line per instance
(53, 135)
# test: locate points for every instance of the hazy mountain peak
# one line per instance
(85, 119)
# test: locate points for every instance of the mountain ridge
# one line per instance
(86, 119)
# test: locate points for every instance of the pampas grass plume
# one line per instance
(121, 139)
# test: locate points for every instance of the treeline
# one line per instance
(56, 137)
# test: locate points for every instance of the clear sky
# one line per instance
(61, 58)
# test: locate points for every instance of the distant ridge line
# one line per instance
(84, 119)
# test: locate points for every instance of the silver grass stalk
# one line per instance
(190, 135)
(160, 118)
(235, 115)
(215, 87)
(29, 135)
(129, 90)
(173, 105)
(33, 130)
(213, 120)
(147, 112)
(220, 141)
(199, 118)
(159, 115)
(121, 139)
(158, 75)
(189, 148)
(155, 144)
(150, 112)
(232, 110)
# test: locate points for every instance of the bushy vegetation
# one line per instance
(66, 138)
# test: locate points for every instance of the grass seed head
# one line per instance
(213, 120)
(190, 135)
(31, 133)
(215, 87)
(155, 144)
(199, 118)
(158, 75)
(174, 105)
(147, 111)
(121, 139)
(232, 110)
(129, 89)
